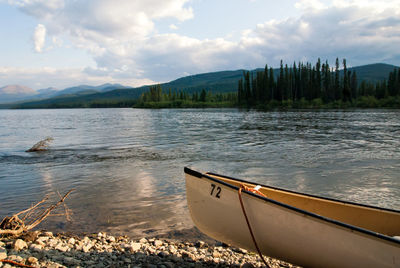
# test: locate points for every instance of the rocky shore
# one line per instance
(43, 249)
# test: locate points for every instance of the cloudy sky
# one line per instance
(61, 43)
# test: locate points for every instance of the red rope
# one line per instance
(248, 225)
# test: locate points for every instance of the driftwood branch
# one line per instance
(42, 145)
(14, 225)
(16, 263)
(47, 212)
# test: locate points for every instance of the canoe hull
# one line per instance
(280, 231)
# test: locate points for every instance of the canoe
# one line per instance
(302, 229)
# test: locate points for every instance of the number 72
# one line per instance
(217, 192)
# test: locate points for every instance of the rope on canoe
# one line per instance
(247, 220)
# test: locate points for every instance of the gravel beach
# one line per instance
(45, 249)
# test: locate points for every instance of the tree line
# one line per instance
(156, 97)
(319, 83)
(301, 85)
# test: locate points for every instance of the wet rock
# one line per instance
(70, 261)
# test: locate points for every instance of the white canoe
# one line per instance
(302, 229)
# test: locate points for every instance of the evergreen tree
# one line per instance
(354, 85)
(318, 79)
(272, 86)
(247, 87)
(241, 94)
(345, 83)
(337, 81)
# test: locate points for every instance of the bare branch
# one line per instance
(47, 212)
(14, 225)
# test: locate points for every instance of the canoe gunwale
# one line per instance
(298, 210)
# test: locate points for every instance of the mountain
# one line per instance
(82, 88)
(15, 93)
(49, 90)
(373, 72)
(223, 81)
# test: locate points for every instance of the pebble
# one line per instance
(103, 250)
(20, 244)
(32, 260)
(135, 246)
(3, 255)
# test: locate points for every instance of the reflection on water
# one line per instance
(127, 164)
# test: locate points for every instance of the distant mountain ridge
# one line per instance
(16, 93)
(223, 81)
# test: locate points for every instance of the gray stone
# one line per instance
(20, 244)
(143, 240)
(127, 260)
(168, 264)
(70, 261)
(162, 254)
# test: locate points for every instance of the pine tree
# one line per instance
(337, 81)
(318, 79)
(354, 85)
(345, 83)
(241, 93)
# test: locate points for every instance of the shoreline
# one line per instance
(45, 249)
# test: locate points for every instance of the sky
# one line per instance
(62, 43)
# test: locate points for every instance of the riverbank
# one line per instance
(43, 249)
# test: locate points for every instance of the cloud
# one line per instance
(173, 27)
(39, 37)
(122, 38)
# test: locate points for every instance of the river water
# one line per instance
(127, 164)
